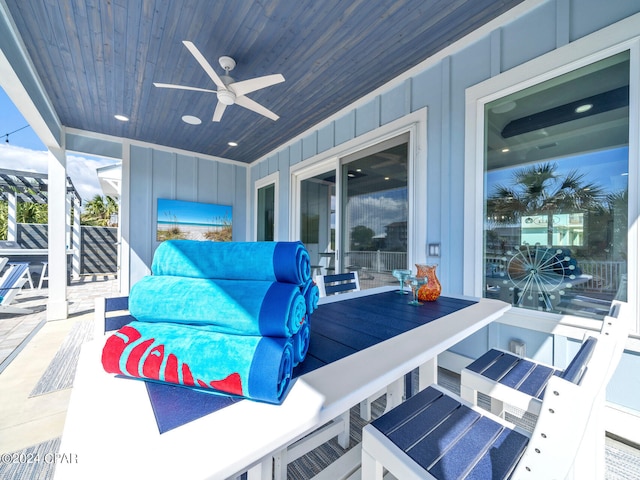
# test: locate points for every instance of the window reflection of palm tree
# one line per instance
(537, 271)
(540, 190)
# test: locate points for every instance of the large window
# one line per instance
(556, 191)
(266, 208)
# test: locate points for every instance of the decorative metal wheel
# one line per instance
(536, 274)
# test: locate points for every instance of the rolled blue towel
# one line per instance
(258, 368)
(269, 261)
(311, 295)
(242, 307)
(300, 342)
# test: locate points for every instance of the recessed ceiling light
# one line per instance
(191, 120)
(584, 108)
(386, 178)
(232, 144)
(504, 150)
(122, 118)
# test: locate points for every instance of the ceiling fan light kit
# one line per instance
(226, 96)
(229, 91)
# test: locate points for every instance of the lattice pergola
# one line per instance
(30, 187)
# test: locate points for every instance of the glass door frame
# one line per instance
(271, 179)
(415, 124)
(325, 166)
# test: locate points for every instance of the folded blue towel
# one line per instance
(270, 261)
(300, 342)
(311, 295)
(258, 368)
(243, 307)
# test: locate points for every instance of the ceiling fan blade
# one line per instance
(253, 84)
(246, 102)
(217, 114)
(182, 87)
(204, 63)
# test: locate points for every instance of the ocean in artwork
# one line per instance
(178, 219)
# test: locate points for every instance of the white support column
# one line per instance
(124, 207)
(67, 218)
(12, 223)
(76, 239)
(57, 306)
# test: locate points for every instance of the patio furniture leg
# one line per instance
(427, 374)
(343, 437)
(395, 393)
(43, 275)
(365, 405)
(371, 468)
(262, 470)
(340, 427)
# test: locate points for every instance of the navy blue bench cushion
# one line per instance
(527, 376)
(450, 440)
(116, 322)
(116, 303)
(513, 371)
(335, 283)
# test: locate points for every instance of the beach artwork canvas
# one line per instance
(183, 220)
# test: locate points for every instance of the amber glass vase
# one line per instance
(432, 289)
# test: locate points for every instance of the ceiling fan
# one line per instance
(229, 91)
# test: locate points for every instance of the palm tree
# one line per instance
(540, 190)
(32, 213)
(98, 211)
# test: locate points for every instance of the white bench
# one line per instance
(438, 435)
(520, 382)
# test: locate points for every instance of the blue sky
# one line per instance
(607, 168)
(26, 152)
(192, 212)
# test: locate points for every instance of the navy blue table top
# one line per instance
(338, 329)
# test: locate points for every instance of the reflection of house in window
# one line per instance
(566, 229)
(534, 230)
(396, 236)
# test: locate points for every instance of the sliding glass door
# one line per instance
(375, 210)
(353, 214)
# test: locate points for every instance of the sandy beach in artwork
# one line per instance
(192, 232)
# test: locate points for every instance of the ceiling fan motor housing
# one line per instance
(226, 97)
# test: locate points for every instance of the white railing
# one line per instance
(378, 261)
(605, 275)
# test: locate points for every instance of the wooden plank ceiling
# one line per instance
(98, 58)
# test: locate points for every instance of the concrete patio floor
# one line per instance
(27, 345)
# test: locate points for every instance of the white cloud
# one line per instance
(82, 170)
(376, 211)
